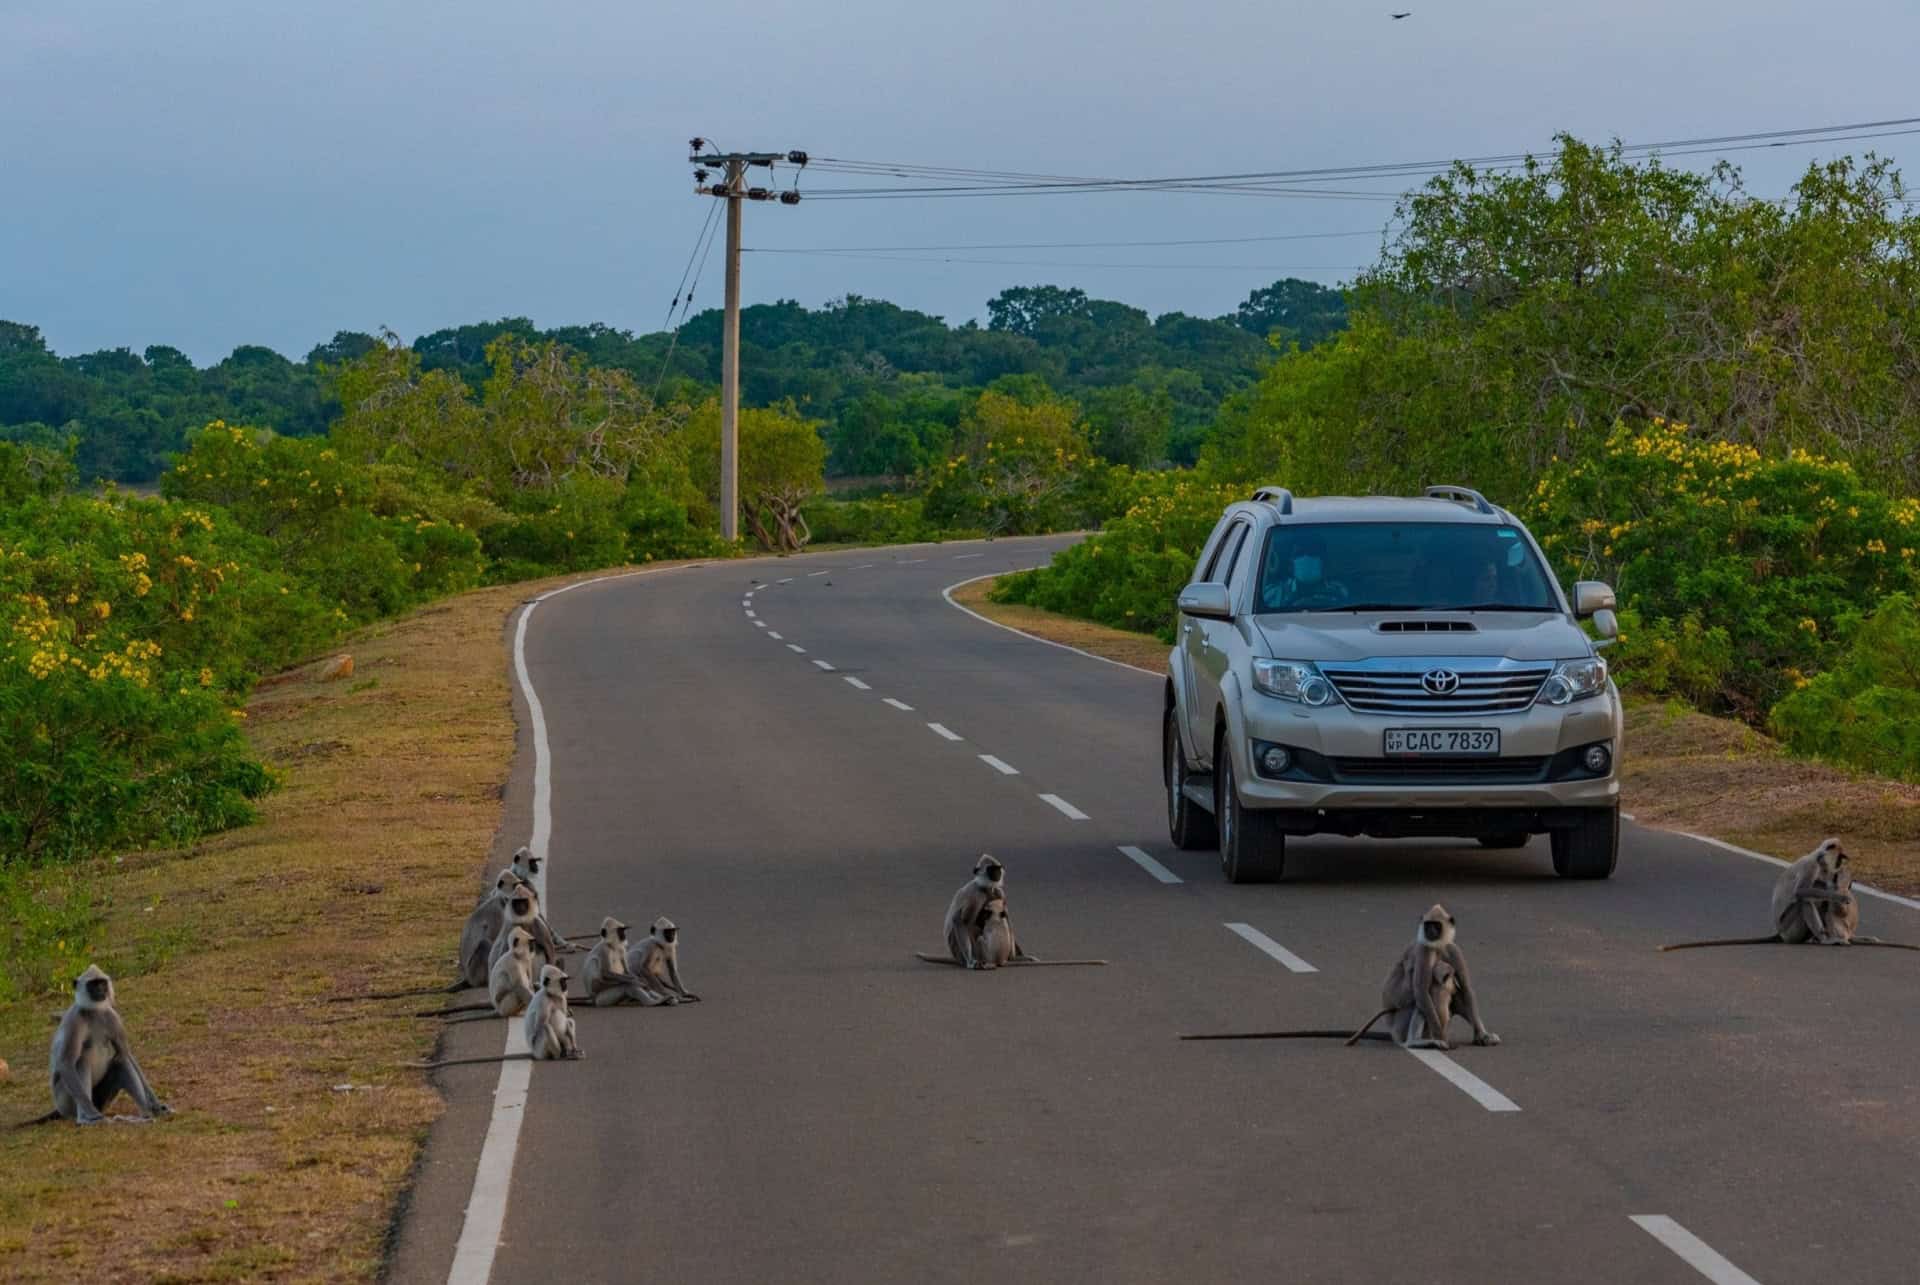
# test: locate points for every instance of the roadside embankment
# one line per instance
(1683, 770)
(293, 1136)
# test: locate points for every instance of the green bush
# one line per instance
(45, 918)
(1766, 556)
(1128, 575)
(1865, 710)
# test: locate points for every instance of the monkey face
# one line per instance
(991, 869)
(664, 929)
(1437, 926)
(522, 905)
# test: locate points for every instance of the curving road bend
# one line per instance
(798, 761)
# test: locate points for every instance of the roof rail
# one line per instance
(1278, 496)
(1460, 495)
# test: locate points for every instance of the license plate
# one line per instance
(1416, 741)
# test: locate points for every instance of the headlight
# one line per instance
(1574, 680)
(1294, 680)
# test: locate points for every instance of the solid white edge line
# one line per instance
(486, 1212)
(1466, 1081)
(940, 729)
(1864, 889)
(1268, 946)
(1072, 813)
(947, 593)
(1692, 1251)
(824, 666)
(1148, 864)
(1000, 765)
(851, 681)
(897, 704)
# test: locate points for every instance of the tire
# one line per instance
(1515, 839)
(1253, 849)
(1590, 849)
(1188, 826)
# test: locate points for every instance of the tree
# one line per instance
(782, 464)
(1293, 311)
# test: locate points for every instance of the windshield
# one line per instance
(1401, 566)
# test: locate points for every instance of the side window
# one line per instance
(1221, 569)
(1209, 551)
(1245, 557)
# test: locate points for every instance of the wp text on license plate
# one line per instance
(1443, 740)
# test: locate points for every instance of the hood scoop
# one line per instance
(1427, 627)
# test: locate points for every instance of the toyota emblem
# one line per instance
(1440, 682)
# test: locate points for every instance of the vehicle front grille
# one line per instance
(1431, 771)
(1487, 691)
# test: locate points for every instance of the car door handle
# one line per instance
(1188, 629)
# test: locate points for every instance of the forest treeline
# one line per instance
(889, 385)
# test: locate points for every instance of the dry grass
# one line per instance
(273, 1167)
(1682, 770)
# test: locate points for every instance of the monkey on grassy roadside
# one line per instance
(987, 883)
(92, 1059)
(655, 960)
(608, 979)
(1428, 979)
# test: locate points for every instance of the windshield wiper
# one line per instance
(1497, 606)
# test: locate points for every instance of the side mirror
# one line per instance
(1208, 600)
(1590, 596)
(1606, 624)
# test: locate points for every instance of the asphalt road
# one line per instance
(837, 1111)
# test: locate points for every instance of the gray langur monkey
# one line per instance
(526, 865)
(655, 960)
(608, 979)
(1813, 901)
(994, 943)
(521, 909)
(549, 1029)
(482, 929)
(92, 1060)
(512, 981)
(1426, 982)
(963, 912)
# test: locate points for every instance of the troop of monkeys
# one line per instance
(508, 948)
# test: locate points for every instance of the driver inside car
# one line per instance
(1301, 580)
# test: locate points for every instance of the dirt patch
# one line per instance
(293, 1135)
(1683, 770)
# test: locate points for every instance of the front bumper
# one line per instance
(1346, 751)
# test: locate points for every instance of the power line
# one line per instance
(1055, 245)
(1050, 263)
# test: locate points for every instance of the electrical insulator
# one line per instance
(796, 158)
(700, 176)
(758, 194)
(789, 198)
(695, 144)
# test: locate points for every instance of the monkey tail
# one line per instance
(48, 1118)
(1774, 940)
(1031, 962)
(937, 959)
(450, 989)
(1288, 1035)
(1891, 945)
(1355, 1037)
(456, 1008)
(465, 1061)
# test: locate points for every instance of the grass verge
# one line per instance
(1682, 770)
(292, 1137)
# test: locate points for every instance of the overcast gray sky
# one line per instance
(207, 173)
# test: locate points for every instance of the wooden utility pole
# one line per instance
(733, 190)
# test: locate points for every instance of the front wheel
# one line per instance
(1188, 826)
(1253, 849)
(1591, 848)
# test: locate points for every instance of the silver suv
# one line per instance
(1390, 667)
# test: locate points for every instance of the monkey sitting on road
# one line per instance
(967, 916)
(607, 977)
(511, 983)
(1428, 979)
(92, 1060)
(655, 960)
(521, 909)
(549, 1029)
(993, 943)
(1813, 901)
(1427, 982)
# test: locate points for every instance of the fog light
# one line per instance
(1276, 760)
(1597, 759)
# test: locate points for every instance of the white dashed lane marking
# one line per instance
(773, 633)
(1268, 946)
(812, 574)
(1466, 1081)
(788, 580)
(851, 681)
(1148, 864)
(797, 649)
(1066, 809)
(759, 624)
(962, 557)
(824, 665)
(907, 562)
(939, 730)
(863, 566)
(898, 704)
(1693, 1251)
(1004, 768)
(750, 615)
